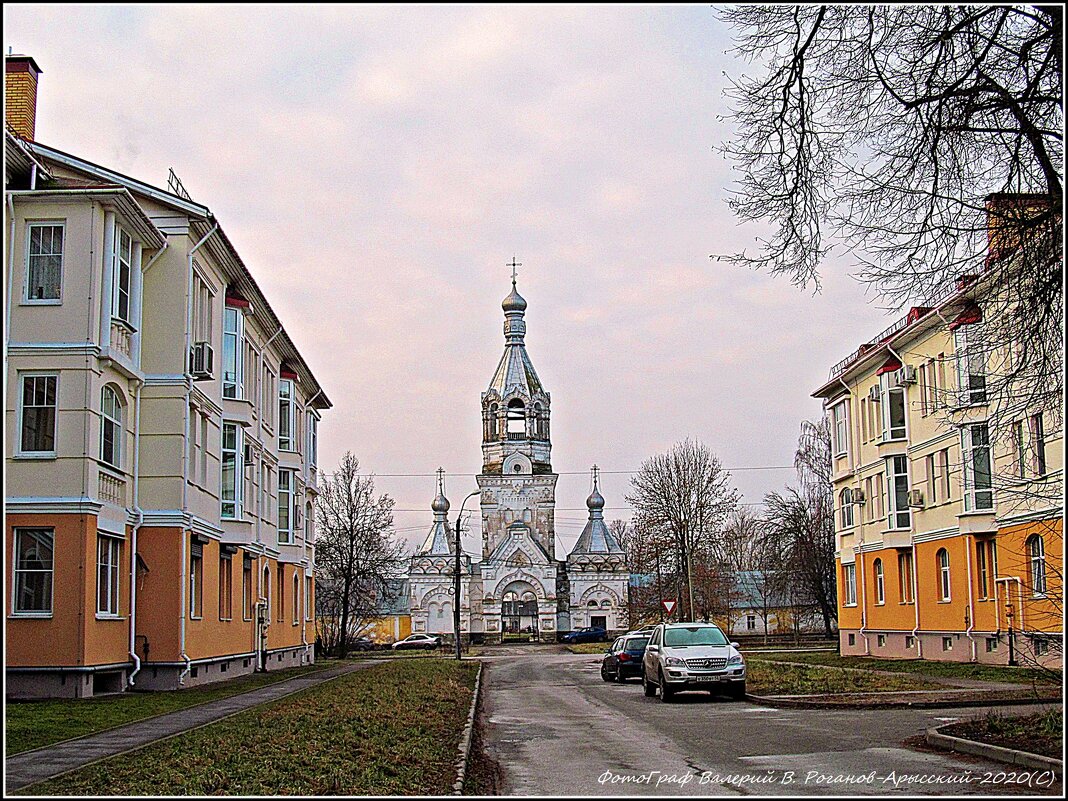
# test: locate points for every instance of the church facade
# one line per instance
(520, 585)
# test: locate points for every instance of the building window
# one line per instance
(897, 478)
(991, 645)
(852, 639)
(943, 574)
(196, 580)
(226, 587)
(233, 460)
(286, 493)
(281, 616)
(1019, 461)
(250, 377)
(285, 415)
(878, 497)
(924, 407)
(880, 640)
(233, 333)
(943, 475)
(932, 480)
(44, 261)
(246, 589)
(983, 568)
(893, 403)
(110, 428)
(120, 307)
(38, 414)
(750, 622)
(904, 577)
(971, 364)
(1038, 445)
(517, 424)
(313, 440)
(33, 570)
(978, 482)
(308, 597)
(947, 643)
(849, 584)
(268, 396)
(846, 514)
(296, 598)
(203, 300)
(108, 561)
(910, 641)
(880, 584)
(1036, 549)
(840, 429)
(1041, 646)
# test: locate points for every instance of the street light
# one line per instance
(456, 577)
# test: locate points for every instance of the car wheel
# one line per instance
(605, 676)
(650, 689)
(737, 691)
(665, 692)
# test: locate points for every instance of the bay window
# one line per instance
(840, 429)
(37, 414)
(286, 499)
(849, 584)
(110, 428)
(44, 262)
(971, 364)
(944, 585)
(233, 335)
(893, 407)
(108, 561)
(285, 415)
(233, 460)
(978, 481)
(897, 481)
(33, 565)
(123, 276)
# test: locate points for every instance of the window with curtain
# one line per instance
(44, 262)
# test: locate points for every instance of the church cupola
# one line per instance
(515, 406)
(596, 545)
(439, 540)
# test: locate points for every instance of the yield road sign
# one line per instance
(669, 605)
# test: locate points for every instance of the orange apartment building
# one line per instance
(161, 431)
(949, 533)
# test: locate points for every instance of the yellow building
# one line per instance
(161, 432)
(949, 534)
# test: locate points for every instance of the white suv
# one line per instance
(692, 656)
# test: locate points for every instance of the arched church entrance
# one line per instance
(519, 609)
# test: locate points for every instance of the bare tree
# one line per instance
(650, 560)
(686, 492)
(926, 142)
(758, 564)
(800, 525)
(355, 552)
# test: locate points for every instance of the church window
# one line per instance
(492, 429)
(516, 419)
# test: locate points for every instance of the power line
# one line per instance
(558, 473)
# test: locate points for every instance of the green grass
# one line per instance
(949, 670)
(589, 647)
(32, 724)
(763, 678)
(390, 729)
(1041, 733)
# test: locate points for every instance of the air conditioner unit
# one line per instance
(201, 360)
(250, 456)
(858, 497)
(903, 375)
(873, 393)
(916, 498)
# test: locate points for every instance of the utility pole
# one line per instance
(456, 577)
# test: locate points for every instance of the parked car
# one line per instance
(624, 659)
(692, 656)
(427, 642)
(588, 634)
(363, 644)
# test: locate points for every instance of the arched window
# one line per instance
(880, 584)
(110, 428)
(846, 515)
(491, 432)
(943, 573)
(517, 423)
(606, 604)
(592, 604)
(265, 592)
(1036, 548)
(296, 598)
(539, 422)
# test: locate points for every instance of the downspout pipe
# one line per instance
(916, 605)
(864, 606)
(133, 537)
(185, 446)
(10, 276)
(968, 543)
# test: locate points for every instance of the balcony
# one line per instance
(122, 339)
(111, 489)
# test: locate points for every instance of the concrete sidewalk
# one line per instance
(31, 767)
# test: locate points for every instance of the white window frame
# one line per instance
(307, 597)
(887, 392)
(893, 517)
(18, 533)
(236, 336)
(269, 395)
(196, 583)
(1036, 560)
(21, 416)
(976, 498)
(30, 225)
(238, 454)
(945, 578)
(313, 439)
(878, 571)
(971, 363)
(286, 418)
(905, 568)
(116, 276)
(108, 572)
(287, 493)
(296, 598)
(118, 440)
(846, 517)
(840, 428)
(849, 584)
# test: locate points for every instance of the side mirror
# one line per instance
(653, 648)
(735, 645)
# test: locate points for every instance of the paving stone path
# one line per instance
(30, 767)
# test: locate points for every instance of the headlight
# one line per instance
(736, 660)
(674, 661)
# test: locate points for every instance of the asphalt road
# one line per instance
(556, 729)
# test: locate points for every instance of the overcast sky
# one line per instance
(377, 167)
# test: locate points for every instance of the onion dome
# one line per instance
(514, 302)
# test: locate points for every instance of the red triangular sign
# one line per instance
(669, 605)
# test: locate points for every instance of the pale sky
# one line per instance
(377, 167)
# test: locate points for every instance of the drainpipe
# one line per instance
(166, 244)
(133, 537)
(10, 275)
(181, 612)
(968, 542)
(864, 606)
(916, 604)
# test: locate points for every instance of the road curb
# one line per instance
(465, 740)
(998, 753)
(815, 702)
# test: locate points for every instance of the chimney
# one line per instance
(1011, 216)
(20, 93)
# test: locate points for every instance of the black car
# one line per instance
(363, 644)
(588, 634)
(624, 659)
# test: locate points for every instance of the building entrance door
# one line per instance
(519, 612)
(599, 621)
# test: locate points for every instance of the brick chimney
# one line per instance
(1007, 216)
(20, 93)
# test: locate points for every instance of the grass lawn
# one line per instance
(32, 724)
(949, 670)
(390, 729)
(589, 647)
(1042, 733)
(763, 678)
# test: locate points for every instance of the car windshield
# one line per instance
(634, 643)
(694, 635)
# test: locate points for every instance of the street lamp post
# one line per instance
(456, 577)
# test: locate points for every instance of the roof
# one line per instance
(439, 541)
(752, 590)
(515, 370)
(395, 599)
(117, 196)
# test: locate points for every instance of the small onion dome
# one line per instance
(514, 302)
(595, 502)
(440, 504)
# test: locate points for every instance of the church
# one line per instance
(520, 585)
